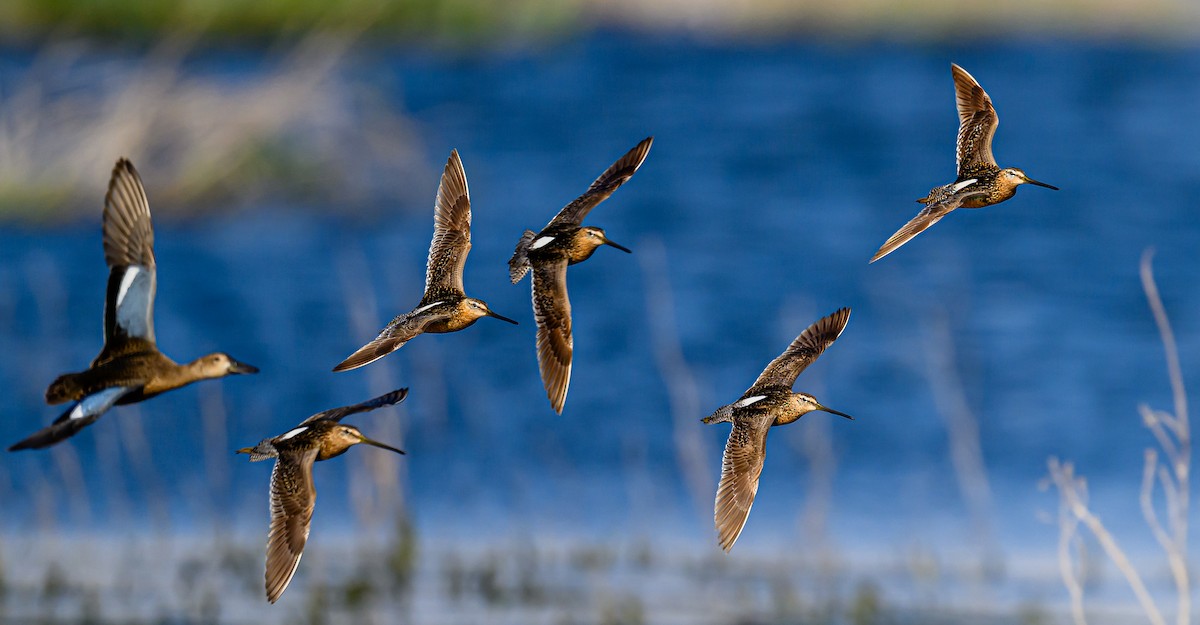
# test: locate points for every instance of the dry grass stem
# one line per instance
(683, 393)
(1167, 468)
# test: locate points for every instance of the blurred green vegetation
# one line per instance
(238, 19)
(479, 21)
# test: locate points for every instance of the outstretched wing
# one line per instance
(337, 414)
(977, 123)
(741, 467)
(292, 497)
(129, 252)
(552, 310)
(400, 331)
(931, 214)
(613, 177)
(451, 234)
(802, 352)
(75, 419)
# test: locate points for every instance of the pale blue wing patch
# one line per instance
(131, 302)
(97, 404)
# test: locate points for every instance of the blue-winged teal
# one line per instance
(981, 182)
(563, 242)
(319, 437)
(769, 402)
(445, 307)
(129, 368)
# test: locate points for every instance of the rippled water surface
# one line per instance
(777, 170)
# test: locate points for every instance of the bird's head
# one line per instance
(808, 403)
(220, 365)
(1014, 177)
(592, 237)
(345, 436)
(476, 308)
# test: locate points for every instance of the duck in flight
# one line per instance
(561, 243)
(445, 307)
(129, 368)
(981, 182)
(319, 437)
(768, 402)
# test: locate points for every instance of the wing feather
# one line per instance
(129, 252)
(451, 234)
(292, 498)
(337, 414)
(805, 349)
(552, 311)
(400, 331)
(603, 187)
(977, 124)
(741, 467)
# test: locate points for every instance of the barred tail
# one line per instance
(518, 265)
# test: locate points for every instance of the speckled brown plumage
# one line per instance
(980, 182)
(767, 403)
(561, 243)
(444, 307)
(292, 494)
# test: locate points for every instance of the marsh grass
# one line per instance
(1166, 469)
(202, 141)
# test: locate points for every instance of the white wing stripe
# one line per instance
(964, 184)
(541, 242)
(126, 282)
(293, 433)
(427, 307)
(742, 403)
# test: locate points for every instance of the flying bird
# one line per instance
(768, 402)
(129, 368)
(981, 182)
(319, 437)
(561, 243)
(445, 307)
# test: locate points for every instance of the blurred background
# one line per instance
(291, 152)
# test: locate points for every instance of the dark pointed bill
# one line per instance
(832, 411)
(375, 443)
(501, 317)
(241, 367)
(620, 247)
(1040, 184)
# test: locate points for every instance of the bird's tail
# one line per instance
(64, 388)
(722, 415)
(259, 452)
(518, 265)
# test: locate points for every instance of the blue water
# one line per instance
(777, 170)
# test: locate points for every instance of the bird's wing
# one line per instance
(451, 234)
(613, 177)
(400, 331)
(741, 467)
(931, 214)
(802, 352)
(977, 123)
(337, 414)
(552, 310)
(292, 497)
(79, 416)
(129, 252)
